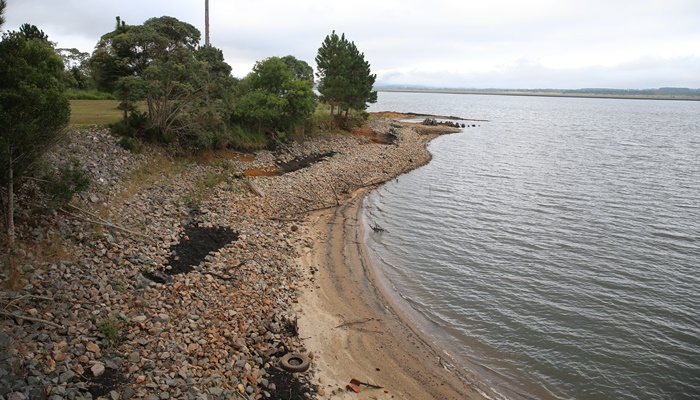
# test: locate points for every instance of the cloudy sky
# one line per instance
(460, 44)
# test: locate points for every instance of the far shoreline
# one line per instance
(525, 93)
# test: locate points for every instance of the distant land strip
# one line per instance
(657, 94)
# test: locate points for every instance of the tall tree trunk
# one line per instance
(10, 203)
(206, 22)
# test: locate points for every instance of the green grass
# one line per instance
(94, 112)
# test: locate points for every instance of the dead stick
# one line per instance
(43, 321)
(107, 224)
(362, 321)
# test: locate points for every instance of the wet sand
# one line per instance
(353, 329)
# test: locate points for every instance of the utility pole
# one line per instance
(206, 22)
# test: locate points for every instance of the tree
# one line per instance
(160, 63)
(33, 110)
(360, 82)
(345, 78)
(273, 100)
(75, 62)
(332, 61)
(31, 32)
(300, 69)
(3, 4)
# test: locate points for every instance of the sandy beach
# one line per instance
(354, 331)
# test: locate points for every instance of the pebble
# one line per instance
(98, 369)
(204, 333)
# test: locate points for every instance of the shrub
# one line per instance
(76, 94)
(69, 180)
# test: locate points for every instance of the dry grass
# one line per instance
(158, 167)
(27, 254)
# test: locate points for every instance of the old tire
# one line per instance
(295, 362)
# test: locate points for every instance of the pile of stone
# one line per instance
(88, 322)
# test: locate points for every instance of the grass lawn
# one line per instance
(94, 112)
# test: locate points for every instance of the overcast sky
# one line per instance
(460, 44)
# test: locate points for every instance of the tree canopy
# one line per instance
(160, 63)
(275, 98)
(345, 78)
(3, 4)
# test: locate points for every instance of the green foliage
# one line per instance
(70, 179)
(187, 90)
(273, 101)
(33, 108)
(3, 4)
(345, 78)
(300, 69)
(246, 139)
(76, 75)
(131, 128)
(131, 144)
(91, 94)
(31, 32)
(110, 328)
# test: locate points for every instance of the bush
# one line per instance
(131, 144)
(70, 179)
(246, 139)
(133, 129)
(76, 94)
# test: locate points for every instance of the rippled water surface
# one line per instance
(557, 244)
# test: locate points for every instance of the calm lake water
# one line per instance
(557, 244)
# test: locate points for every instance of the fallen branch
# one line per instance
(282, 219)
(8, 301)
(362, 321)
(32, 319)
(358, 383)
(254, 188)
(101, 221)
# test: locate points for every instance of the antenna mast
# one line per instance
(206, 22)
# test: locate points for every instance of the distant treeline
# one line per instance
(666, 92)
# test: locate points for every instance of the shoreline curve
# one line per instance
(355, 330)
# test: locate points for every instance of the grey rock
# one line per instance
(66, 376)
(5, 340)
(128, 393)
(37, 394)
(134, 356)
(98, 369)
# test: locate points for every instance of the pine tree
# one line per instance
(345, 78)
(33, 110)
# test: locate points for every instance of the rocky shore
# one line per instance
(98, 311)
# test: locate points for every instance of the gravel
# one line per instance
(87, 322)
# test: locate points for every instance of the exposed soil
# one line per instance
(304, 162)
(284, 167)
(289, 387)
(195, 244)
(103, 384)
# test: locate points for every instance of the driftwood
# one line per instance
(254, 188)
(282, 219)
(32, 319)
(362, 321)
(358, 383)
(100, 221)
